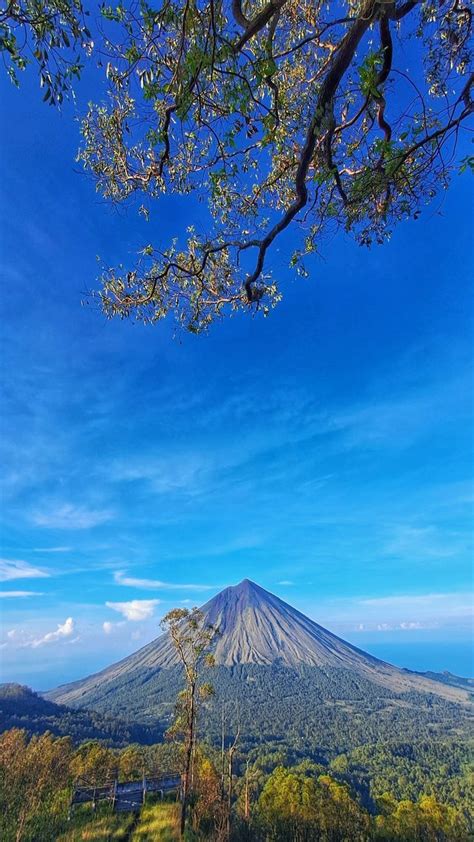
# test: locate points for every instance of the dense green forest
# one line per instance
(312, 709)
(21, 707)
(284, 763)
(390, 791)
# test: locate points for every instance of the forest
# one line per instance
(311, 709)
(21, 707)
(391, 791)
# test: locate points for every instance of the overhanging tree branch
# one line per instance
(297, 111)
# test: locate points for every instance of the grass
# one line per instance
(157, 821)
(86, 826)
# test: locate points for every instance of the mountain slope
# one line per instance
(21, 707)
(256, 628)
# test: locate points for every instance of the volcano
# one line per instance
(257, 630)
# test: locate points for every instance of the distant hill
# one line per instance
(21, 707)
(288, 676)
(449, 678)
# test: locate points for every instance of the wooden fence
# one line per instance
(123, 796)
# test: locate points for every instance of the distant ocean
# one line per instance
(456, 657)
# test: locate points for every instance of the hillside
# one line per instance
(21, 707)
(291, 680)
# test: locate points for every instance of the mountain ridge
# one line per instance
(21, 707)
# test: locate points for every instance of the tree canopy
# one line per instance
(52, 34)
(282, 114)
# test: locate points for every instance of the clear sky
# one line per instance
(325, 452)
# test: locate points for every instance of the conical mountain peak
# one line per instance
(244, 593)
(254, 627)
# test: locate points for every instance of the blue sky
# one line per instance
(325, 452)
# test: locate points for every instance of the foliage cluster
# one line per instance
(21, 707)
(36, 775)
(296, 801)
(51, 34)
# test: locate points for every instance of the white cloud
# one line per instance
(16, 569)
(63, 630)
(405, 626)
(69, 516)
(109, 627)
(121, 578)
(285, 582)
(18, 594)
(410, 626)
(136, 609)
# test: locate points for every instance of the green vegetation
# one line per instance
(20, 707)
(439, 768)
(88, 827)
(393, 791)
(321, 711)
(157, 822)
(51, 34)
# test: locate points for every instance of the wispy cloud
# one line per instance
(70, 516)
(17, 569)
(52, 549)
(109, 627)
(63, 630)
(462, 602)
(18, 594)
(121, 578)
(401, 612)
(424, 542)
(174, 473)
(135, 609)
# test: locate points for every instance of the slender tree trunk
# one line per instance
(188, 759)
(229, 792)
(230, 782)
(247, 800)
